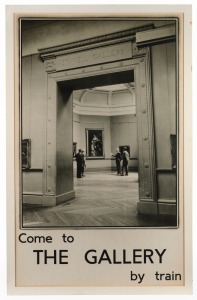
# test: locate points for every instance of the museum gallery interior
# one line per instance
(114, 80)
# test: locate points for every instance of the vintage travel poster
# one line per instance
(99, 203)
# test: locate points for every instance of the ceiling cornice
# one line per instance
(100, 41)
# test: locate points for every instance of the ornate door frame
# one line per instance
(76, 61)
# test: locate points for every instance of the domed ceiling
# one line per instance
(107, 100)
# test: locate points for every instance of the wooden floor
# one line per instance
(103, 199)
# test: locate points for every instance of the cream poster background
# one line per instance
(82, 241)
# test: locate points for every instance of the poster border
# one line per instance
(172, 290)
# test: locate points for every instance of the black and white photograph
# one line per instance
(99, 122)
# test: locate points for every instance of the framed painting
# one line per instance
(94, 143)
(74, 149)
(173, 150)
(26, 154)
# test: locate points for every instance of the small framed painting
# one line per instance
(74, 149)
(26, 154)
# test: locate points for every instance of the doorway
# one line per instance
(59, 102)
(103, 197)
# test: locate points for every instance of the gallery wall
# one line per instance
(164, 101)
(33, 109)
(117, 131)
(164, 98)
(33, 106)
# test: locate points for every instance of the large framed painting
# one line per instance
(94, 143)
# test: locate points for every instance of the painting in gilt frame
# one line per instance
(26, 154)
(94, 143)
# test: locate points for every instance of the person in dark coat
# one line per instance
(118, 160)
(79, 161)
(125, 162)
(83, 163)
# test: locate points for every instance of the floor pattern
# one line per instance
(103, 199)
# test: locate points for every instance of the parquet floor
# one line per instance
(103, 199)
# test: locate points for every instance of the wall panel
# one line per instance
(32, 182)
(163, 75)
(164, 100)
(166, 185)
(33, 107)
